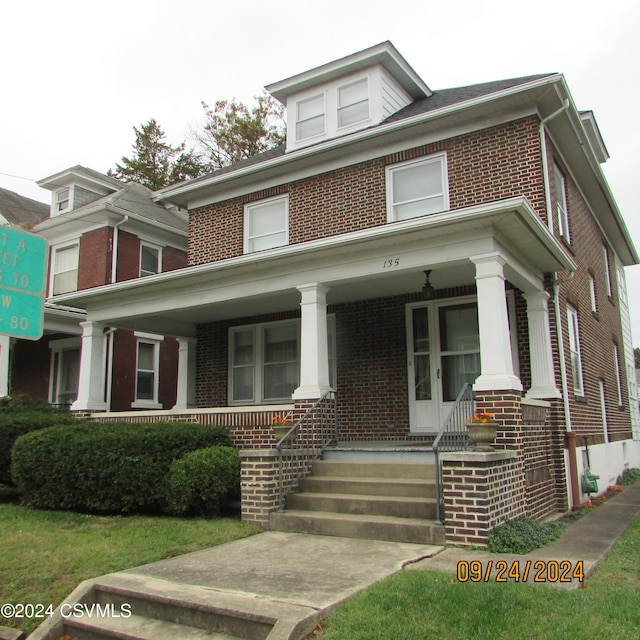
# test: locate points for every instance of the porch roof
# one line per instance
(385, 260)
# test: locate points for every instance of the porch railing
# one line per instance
(453, 436)
(304, 442)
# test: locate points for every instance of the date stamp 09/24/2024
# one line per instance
(562, 571)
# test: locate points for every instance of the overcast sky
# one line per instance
(77, 75)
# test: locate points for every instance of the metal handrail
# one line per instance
(304, 442)
(453, 436)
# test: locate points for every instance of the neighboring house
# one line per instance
(402, 243)
(100, 231)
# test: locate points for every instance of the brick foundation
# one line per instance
(258, 485)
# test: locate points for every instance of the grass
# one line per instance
(416, 605)
(44, 555)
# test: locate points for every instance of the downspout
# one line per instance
(114, 253)
(571, 437)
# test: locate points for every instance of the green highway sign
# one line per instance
(23, 272)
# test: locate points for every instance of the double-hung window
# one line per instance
(65, 370)
(353, 103)
(310, 117)
(417, 188)
(574, 348)
(562, 209)
(264, 361)
(150, 259)
(607, 270)
(65, 269)
(266, 224)
(147, 371)
(616, 364)
(63, 200)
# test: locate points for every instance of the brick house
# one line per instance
(100, 230)
(405, 242)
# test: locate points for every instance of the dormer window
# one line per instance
(353, 103)
(63, 200)
(310, 117)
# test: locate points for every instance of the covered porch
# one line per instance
(351, 313)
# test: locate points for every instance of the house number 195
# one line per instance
(391, 262)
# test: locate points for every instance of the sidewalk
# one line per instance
(589, 539)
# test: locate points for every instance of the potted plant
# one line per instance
(482, 430)
(280, 426)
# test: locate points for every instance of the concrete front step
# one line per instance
(370, 527)
(365, 469)
(416, 488)
(397, 506)
(133, 606)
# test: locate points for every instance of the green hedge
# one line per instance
(15, 422)
(202, 481)
(105, 468)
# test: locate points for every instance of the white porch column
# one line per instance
(314, 352)
(186, 384)
(5, 349)
(543, 384)
(495, 345)
(92, 368)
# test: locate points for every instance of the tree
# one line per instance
(234, 131)
(636, 353)
(156, 164)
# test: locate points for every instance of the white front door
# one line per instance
(443, 348)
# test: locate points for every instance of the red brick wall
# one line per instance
(484, 166)
(31, 366)
(128, 256)
(173, 259)
(598, 332)
(94, 263)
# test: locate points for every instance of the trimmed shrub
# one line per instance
(201, 481)
(105, 468)
(16, 421)
(522, 535)
(629, 477)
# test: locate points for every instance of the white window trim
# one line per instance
(258, 358)
(155, 340)
(53, 272)
(607, 270)
(57, 347)
(622, 286)
(247, 216)
(155, 247)
(308, 98)
(593, 292)
(616, 364)
(434, 158)
(55, 210)
(357, 123)
(574, 350)
(562, 206)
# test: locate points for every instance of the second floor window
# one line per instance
(65, 270)
(574, 348)
(150, 260)
(417, 188)
(562, 210)
(266, 224)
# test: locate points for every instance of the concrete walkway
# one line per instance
(297, 578)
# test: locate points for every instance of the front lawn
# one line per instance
(44, 555)
(416, 605)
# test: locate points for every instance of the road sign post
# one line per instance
(23, 274)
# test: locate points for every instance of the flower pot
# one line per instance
(279, 431)
(482, 435)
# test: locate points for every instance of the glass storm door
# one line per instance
(443, 346)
